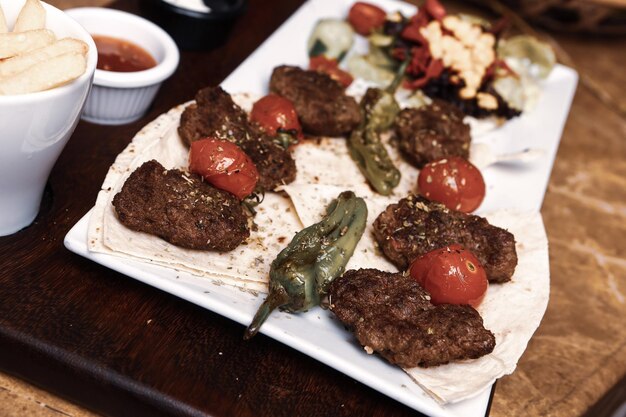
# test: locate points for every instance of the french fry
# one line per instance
(20, 63)
(14, 43)
(31, 17)
(56, 72)
(3, 22)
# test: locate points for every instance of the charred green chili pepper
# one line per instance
(301, 273)
(379, 109)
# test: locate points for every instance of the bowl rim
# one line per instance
(137, 79)
(237, 10)
(85, 78)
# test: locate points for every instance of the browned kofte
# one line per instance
(215, 114)
(181, 208)
(392, 315)
(432, 132)
(322, 105)
(416, 225)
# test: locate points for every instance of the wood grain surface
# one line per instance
(118, 347)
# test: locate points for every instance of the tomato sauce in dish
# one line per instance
(120, 55)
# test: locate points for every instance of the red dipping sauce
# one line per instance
(120, 55)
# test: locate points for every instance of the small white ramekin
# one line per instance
(123, 97)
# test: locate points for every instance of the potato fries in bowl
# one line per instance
(46, 72)
(33, 57)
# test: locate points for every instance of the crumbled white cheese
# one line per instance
(469, 51)
(487, 101)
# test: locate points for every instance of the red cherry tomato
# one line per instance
(452, 275)
(274, 112)
(365, 17)
(330, 67)
(223, 165)
(435, 9)
(453, 181)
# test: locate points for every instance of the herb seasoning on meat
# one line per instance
(392, 315)
(216, 115)
(415, 226)
(181, 209)
(432, 132)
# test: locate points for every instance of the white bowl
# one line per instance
(35, 127)
(123, 97)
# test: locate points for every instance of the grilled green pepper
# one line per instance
(379, 110)
(301, 273)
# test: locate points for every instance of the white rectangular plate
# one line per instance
(316, 333)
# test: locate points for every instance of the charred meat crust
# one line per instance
(416, 225)
(181, 209)
(392, 315)
(215, 114)
(273, 162)
(432, 132)
(321, 103)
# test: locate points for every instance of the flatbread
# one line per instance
(247, 266)
(512, 311)
(327, 161)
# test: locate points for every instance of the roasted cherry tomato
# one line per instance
(452, 275)
(435, 9)
(453, 181)
(365, 17)
(223, 165)
(274, 112)
(330, 67)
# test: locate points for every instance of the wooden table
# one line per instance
(121, 348)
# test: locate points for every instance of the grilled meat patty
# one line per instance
(321, 103)
(274, 163)
(181, 209)
(215, 114)
(432, 132)
(416, 225)
(392, 315)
